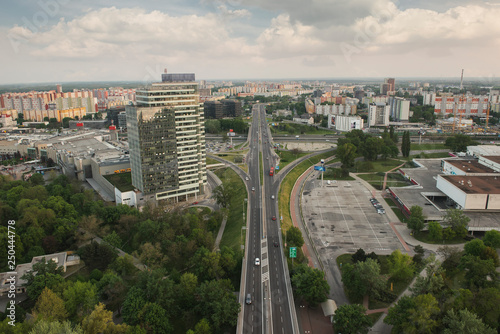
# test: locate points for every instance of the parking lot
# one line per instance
(341, 219)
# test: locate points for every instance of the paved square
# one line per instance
(340, 216)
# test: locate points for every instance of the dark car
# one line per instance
(276, 244)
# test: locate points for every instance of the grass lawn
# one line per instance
(287, 157)
(123, 181)
(288, 183)
(230, 156)
(261, 168)
(212, 161)
(423, 236)
(377, 179)
(395, 209)
(232, 232)
(422, 147)
(378, 165)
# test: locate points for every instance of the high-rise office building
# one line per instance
(166, 136)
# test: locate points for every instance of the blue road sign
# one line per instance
(320, 168)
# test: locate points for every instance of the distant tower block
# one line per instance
(58, 88)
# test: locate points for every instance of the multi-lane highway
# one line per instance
(271, 309)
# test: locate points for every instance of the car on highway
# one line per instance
(248, 300)
(253, 188)
(195, 203)
(257, 261)
(274, 218)
(272, 196)
(276, 244)
(247, 178)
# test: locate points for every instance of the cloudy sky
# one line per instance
(69, 40)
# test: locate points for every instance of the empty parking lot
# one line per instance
(340, 217)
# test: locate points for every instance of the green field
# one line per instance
(288, 183)
(286, 157)
(232, 232)
(377, 180)
(378, 165)
(122, 181)
(427, 147)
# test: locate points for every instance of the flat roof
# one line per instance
(475, 184)
(494, 158)
(470, 166)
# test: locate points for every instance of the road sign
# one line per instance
(277, 167)
(320, 168)
(293, 252)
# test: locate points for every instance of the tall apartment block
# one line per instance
(166, 135)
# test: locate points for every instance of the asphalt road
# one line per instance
(271, 310)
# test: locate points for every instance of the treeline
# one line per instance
(216, 126)
(184, 286)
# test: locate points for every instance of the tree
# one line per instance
(478, 272)
(492, 239)
(359, 256)
(80, 298)
(401, 266)
(419, 255)
(406, 144)
(133, 304)
(351, 319)
(423, 318)
(223, 195)
(97, 255)
(399, 314)
(294, 237)
(432, 282)
(474, 247)
(49, 307)
(310, 284)
(44, 274)
(363, 278)
(457, 220)
(202, 327)
(112, 290)
(101, 321)
(452, 257)
(435, 231)
(465, 322)
(459, 142)
(217, 303)
(347, 154)
(371, 148)
(416, 221)
(37, 179)
(55, 327)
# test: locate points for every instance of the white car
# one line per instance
(272, 196)
(257, 261)
(246, 178)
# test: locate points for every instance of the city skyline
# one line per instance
(64, 41)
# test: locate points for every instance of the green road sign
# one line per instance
(293, 252)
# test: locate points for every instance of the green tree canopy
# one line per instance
(50, 307)
(492, 239)
(465, 322)
(363, 278)
(310, 284)
(401, 266)
(351, 319)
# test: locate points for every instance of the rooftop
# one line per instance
(470, 166)
(475, 184)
